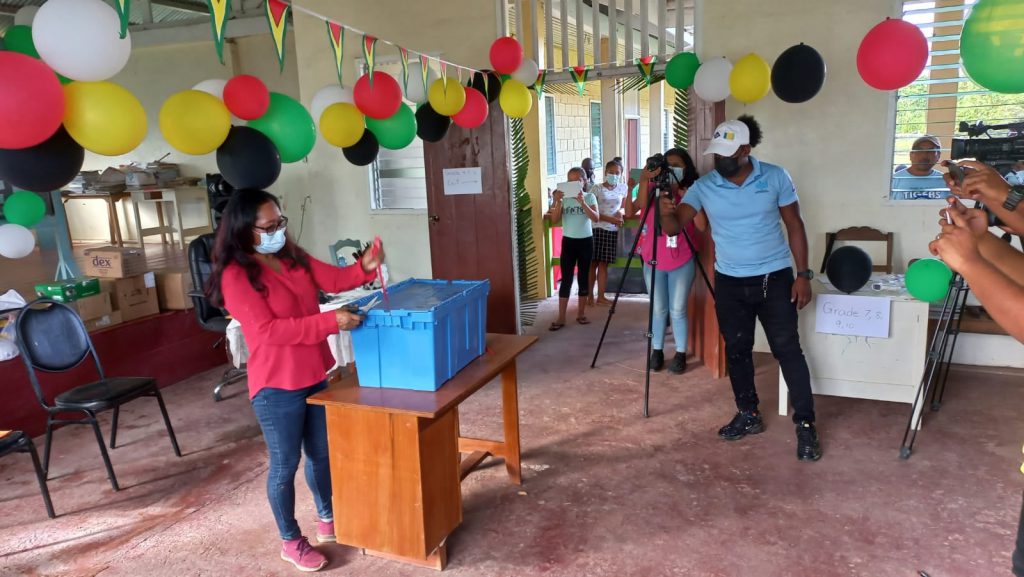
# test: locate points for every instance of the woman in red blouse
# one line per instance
(271, 286)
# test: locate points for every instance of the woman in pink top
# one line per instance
(675, 262)
(271, 286)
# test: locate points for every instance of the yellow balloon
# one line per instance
(195, 122)
(103, 117)
(447, 97)
(515, 98)
(751, 79)
(342, 124)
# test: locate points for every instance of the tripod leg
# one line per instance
(941, 390)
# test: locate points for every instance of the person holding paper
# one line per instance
(746, 202)
(577, 212)
(271, 286)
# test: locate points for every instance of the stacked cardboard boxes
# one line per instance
(123, 277)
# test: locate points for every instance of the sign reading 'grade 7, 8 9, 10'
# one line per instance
(852, 315)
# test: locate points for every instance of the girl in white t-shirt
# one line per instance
(606, 231)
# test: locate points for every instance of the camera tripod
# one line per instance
(652, 202)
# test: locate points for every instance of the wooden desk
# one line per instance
(173, 199)
(396, 467)
(111, 199)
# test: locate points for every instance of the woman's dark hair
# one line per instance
(612, 163)
(234, 243)
(755, 129)
(579, 169)
(690, 174)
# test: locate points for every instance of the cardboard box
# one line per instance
(93, 307)
(104, 322)
(65, 291)
(172, 288)
(115, 262)
(133, 297)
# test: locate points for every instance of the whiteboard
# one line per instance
(463, 181)
(852, 315)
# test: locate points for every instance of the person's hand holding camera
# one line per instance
(649, 175)
(981, 183)
(668, 204)
(957, 244)
(975, 219)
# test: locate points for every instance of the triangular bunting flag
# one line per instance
(336, 33)
(122, 7)
(444, 74)
(220, 11)
(542, 77)
(425, 71)
(370, 54)
(579, 76)
(277, 18)
(405, 68)
(646, 67)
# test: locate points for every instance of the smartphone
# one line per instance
(957, 173)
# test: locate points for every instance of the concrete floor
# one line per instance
(606, 492)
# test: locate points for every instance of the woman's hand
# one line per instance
(373, 258)
(975, 219)
(956, 244)
(347, 320)
(580, 197)
(648, 175)
(558, 195)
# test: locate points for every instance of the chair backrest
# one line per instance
(200, 264)
(52, 338)
(860, 234)
(336, 248)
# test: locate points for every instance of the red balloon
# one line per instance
(892, 54)
(506, 55)
(31, 101)
(474, 112)
(246, 97)
(379, 101)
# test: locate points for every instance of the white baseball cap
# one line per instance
(729, 137)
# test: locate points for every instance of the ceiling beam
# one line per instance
(182, 6)
(198, 30)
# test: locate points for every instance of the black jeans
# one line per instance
(741, 300)
(1018, 553)
(576, 253)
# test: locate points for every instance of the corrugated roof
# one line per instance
(161, 13)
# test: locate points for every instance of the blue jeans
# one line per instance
(290, 426)
(670, 298)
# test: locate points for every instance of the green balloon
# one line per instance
(396, 131)
(928, 280)
(19, 39)
(289, 126)
(990, 45)
(24, 208)
(681, 70)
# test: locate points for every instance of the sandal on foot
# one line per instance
(556, 326)
(582, 320)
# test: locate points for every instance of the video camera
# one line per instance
(664, 178)
(990, 150)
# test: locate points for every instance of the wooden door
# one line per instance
(633, 159)
(471, 235)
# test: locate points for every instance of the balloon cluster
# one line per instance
(797, 76)
(22, 211)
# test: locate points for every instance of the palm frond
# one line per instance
(681, 120)
(525, 247)
(637, 83)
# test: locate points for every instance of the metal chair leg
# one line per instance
(41, 477)
(167, 422)
(47, 445)
(113, 428)
(230, 376)
(103, 452)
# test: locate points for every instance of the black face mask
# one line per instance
(727, 166)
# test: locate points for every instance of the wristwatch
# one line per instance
(1014, 198)
(807, 274)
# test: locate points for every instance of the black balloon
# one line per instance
(798, 74)
(248, 159)
(363, 152)
(493, 84)
(849, 268)
(46, 166)
(431, 126)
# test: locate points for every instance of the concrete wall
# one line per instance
(838, 146)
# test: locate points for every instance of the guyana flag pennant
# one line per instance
(425, 71)
(370, 54)
(579, 76)
(405, 68)
(122, 7)
(220, 11)
(646, 66)
(542, 77)
(444, 74)
(336, 33)
(277, 17)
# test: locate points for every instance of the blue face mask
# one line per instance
(677, 171)
(612, 179)
(271, 243)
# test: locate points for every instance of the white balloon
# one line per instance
(416, 92)
(712, 81)
(327, 96)
(81, 39)
(16, 241)
(25, 15)
(214, 86)
(527, 72)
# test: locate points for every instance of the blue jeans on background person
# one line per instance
(671, 296)
(291, 427)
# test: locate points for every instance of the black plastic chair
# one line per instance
(18, 442)
(211, 318)
(52, 339)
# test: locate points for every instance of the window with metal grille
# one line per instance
(398, 178)
(595, 132)
(942, 101)
(666, 129)
(549, 129)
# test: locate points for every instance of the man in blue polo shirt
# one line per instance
(746, 202)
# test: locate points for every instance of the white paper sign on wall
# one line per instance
(463, 181)
(852, 315)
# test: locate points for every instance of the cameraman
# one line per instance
(746, 201)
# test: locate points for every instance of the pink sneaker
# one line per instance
(325, 532)
(303, 555)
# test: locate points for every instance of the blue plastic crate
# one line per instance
(433, 329)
